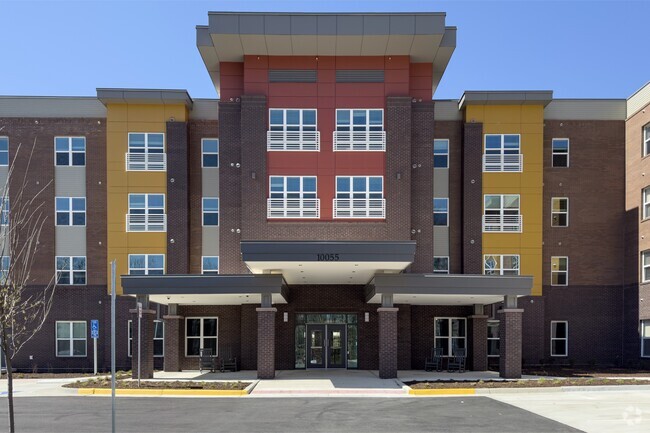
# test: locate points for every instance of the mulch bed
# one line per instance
(539, 383)
(176, 384)
(558, 371)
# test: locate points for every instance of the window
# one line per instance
(293, 197)
(5, 264)
(210, 211)
(200, 333)
(360, 129)
(559, 271)
(71, 338)
(645, 198)
(70, 151)
(441, 153)
(210, 265)
(359, 197)
(292, 129)
(146, 264)
(559, 212)
(146, 152)
(501, 213)
(4, 211)
(494, 342)
(288, 187)
(4, 150)
(71, 271)
(440, 211)
(158, 338)
(501, 264)
(70, 211)
(146, 213)
(502, 153)
(646, 140)
(645, 265)
(560, 152)
(645, 338)
(210, 149)
(450, 334)
(441, 265)
(559, 338)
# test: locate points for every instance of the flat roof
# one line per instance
(505, 97)
(144, 96)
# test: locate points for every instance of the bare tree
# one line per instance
(24, 304)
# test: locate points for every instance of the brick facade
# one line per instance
(146, 343)
(266, 343)
(387, 342)
(178, 237)
(472, 194)
(510, 334)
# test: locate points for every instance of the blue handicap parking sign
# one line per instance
(94, 328)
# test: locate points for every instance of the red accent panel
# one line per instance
(369, 62)
(292, 90)
(360, 90)
(292, 62)
(397, 62)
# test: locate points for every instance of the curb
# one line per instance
(550, 389)
(442, 391)
(170, 392)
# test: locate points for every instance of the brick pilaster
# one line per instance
(478, 342)
(178, 234)
(387, 342)
(510, 342)
(473, 198)
(146, 348)
(266, 343)
(172, 361)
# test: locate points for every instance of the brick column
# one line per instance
(478, 342)
(472, 194)
(387, 342)
(266, 342)
(172, 361)
(146, 347)
(510, 342)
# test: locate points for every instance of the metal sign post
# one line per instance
(94, 333)
(113, 346)
(139, 339)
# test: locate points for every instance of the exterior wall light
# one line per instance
(366, 317)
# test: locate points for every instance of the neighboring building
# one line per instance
(327, 213)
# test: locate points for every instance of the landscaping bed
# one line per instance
(536, 383)
(158, 384)
(559, 371)
(47, 375)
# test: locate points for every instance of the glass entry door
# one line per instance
(326, 346)
(316, 346)
(336, 346)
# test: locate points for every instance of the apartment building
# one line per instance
(328, 212)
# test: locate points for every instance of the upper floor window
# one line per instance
(5, 264)
(70, 211)
(71, 270)
(146, 152)
(293, 197)
(501, 264)
(210, 149)
(560, 152)
(210, 265)
(440, 211)
(359, 197)
(559, 271)
(646, 140)
(645, 266)
(70, 151)
(559, 212)
(501, 213)
(4, 211)
(502, 153)
(292, 129)
(146, 213)
(210, 211)
(645, 197)
(360, 129)
(441, 153)
(4, 151)
(441, 265)
(146, 264)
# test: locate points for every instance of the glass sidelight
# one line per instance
(326, 340)
(316, 346)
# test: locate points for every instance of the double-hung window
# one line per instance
(501, 213)
(71, 338)
(646, 140)
(146, 213)
(559, 212)
(559, 338)
(559, 271)
(501, 264)
(441, 153)
(5, 264)
(158, 338)
(493, 340)
(4, 151)
(70, 151)
(4, 211)
(210, 265)
(146, 152)
(210, 211)
(560, 149)
(645, 338)
(441, 212)
(502, 153)
(210, 152)
(441, 265)
(359, 197)
(201, 333)
(70, 211)
(645, 266)
(360, 129)
(71, 271)
(645, 197)
(146, 264)
(293, 197)
(450, 334)
(292, 129)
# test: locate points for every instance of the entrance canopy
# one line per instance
(327, 262)
(442, 289)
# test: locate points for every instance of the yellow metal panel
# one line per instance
(502, 113)
(178, 112)
(116, 113)
(146, 113)
(532, 113)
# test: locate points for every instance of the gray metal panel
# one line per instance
(639, 100)
(326, 24)
(203, 38)
(441, 182)
(402, 24)
(70, 241)
(507, 97)
(69, 181)
(223, 23)
(37, 106)
(376, 24)
(250, 24)
(144, 96)
(429, 24)
(210, 241)
(349, 24)
(277, 24)
(205, 109)
(303, 24)
(447, 110)
(440, 241)
(293, 76)
(360, 76)
(586, 109)
(201, 284)
(210, 182)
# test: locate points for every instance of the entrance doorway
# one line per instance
(326, 346)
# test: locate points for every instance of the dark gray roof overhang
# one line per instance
(231, 35)
(506, 97)
(145, 96)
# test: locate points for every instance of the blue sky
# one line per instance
(578, 49)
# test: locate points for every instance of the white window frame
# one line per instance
(445, 154)
(502, 219)
(440, 271)
(202, 337)
(351, 125)
(150, 161)
(210, 212)
(146, 268)
(645, 201)
(71, 339)
(363, 138)
(2, 138)
(146, 141)
(70, 152)
(445, 212)
(375, 207)
(497, 160)
(568, 152)
(70, 212)
(301, 125)
(129, 337)
(5, 266)
(300, 137)
(497, 338)
(645, 276)
(147, 213)
(645, 339)
(449, 337)
(5, 211)
(305, 205)
(500, 270)
(645, 137)
(203, 270)
(301, 192)
(204, 153)
(559, 212)
(559, 271)
(71, 271)
(566, 339)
